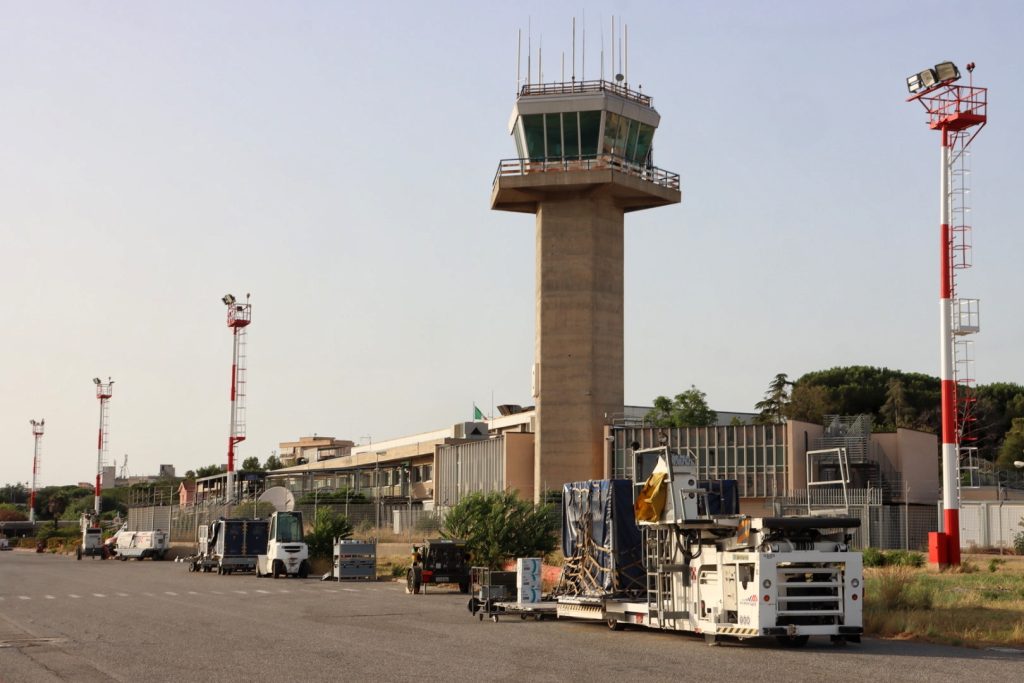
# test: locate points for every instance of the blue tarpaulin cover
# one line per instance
(601, 541)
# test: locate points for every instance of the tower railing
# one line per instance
(582, 87)
(593, 162)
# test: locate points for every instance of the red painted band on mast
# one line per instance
(97, 484)
(948, 411)
(234, 375)
(945, 277)
(99, 439)
(951, 525)
(231, 454)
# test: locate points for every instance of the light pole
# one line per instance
(316, 495)
(376, 485)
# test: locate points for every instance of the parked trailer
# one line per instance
(229, 545)
(142, 544)
(717, 574)
(354, 559)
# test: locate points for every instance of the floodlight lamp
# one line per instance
(96, 380)
(1019, 464)
(922, 81)
(947, 71)
(228, 299)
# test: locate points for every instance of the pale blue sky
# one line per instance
(336, 159)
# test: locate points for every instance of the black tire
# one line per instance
(494, 618)
(78, 552)
(615, 625)
(278, 569)
(792, 641)
(303, 569)
(413, 581)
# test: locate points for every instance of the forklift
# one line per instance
(438, 561)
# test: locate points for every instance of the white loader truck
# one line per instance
(692, 568)
(287, 553)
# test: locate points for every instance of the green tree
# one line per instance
(11, 513)
(809, 403)
(1013, 445)
(56, 506)
(688, 409)
(251, 464)
(327, 526)
(272, 463)
(896, 411)
(772, 409)
(498, 526)
(210, 470)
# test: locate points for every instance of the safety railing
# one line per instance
(582, 87)
(651, 174)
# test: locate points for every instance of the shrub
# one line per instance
(904, 558)
(873, 557)
(994, 563)
(327, 526)
(498, 526)
(1018, 543)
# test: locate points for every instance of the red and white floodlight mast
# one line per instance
(104, 390)
(239, 317)
(37, 461)
(958, 112)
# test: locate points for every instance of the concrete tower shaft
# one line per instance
(585, 161)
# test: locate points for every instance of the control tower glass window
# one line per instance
(569, 135)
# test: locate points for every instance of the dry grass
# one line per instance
(976, 607)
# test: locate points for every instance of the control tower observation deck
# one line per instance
(584, 160)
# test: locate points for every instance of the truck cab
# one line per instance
(287, 553)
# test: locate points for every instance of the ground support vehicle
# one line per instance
(92, 540)
(354, 560)
(438, 561)
(229, 545)
(721, 575)
(4, 543)
(285, 554)
(496, 594)
(142, 544)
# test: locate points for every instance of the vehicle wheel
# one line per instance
(473, 605)
(494, 618)
(538, 617)
(303, 569)
(523, 617)
(278, 569)
(78, 552)
(792, 641)
(220, 570)
(615, 625)
(413, 581)
(191, 567)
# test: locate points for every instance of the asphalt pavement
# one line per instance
(94, 620)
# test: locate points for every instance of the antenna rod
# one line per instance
(519, 57)
(573, 49)
(529, 51)
(583, 68)
(563, 66)
(626, 72)
(613, 47)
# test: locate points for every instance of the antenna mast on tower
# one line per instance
(104, 390)
(37, 461)
(239, 317)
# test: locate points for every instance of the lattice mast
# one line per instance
(37, 462)
(958, 112)
(104, 390)
(239, 317)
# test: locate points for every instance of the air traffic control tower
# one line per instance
(584, 161)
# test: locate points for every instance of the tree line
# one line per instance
(993, 420)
